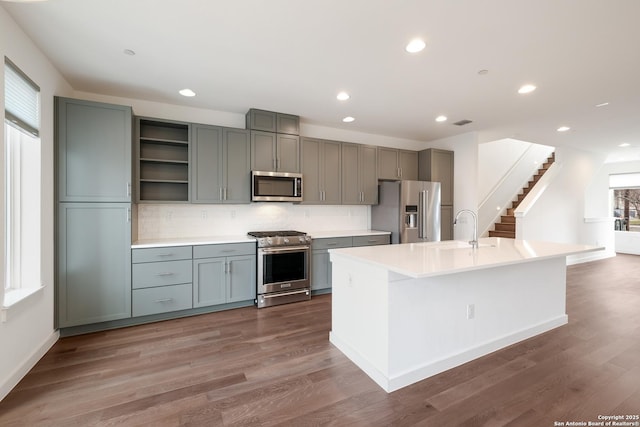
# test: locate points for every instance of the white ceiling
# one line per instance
(294, 56)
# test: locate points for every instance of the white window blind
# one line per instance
(624, 180)
(21, 99)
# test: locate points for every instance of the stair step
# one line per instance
(505, 227)
(507, 234)
(510, 211)
(508, 219)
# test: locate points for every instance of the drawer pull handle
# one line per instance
(163, 300)
(166, 273)
(226, 251)
(332, 243)
(371, 241)
(165, 255)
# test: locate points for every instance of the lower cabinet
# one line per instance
(161, 279)
(94, 263)
(320, 263)
(224, 273)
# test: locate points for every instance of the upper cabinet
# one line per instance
(93, 151)
(275, 144)
(275, 152)
(270, 121)
(359, 174)
(320, 162)
(394, 164)
(162, 160)
(220, 165)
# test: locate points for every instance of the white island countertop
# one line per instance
(419, 260)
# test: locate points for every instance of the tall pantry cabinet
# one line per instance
(93, 224)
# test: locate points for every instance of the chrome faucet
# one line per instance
(474, 242)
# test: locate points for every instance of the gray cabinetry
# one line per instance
(93, 263)
(394, 164)
(359, 174)
(321, 161)
(270, 121)
(224, 273)
(93, 151)
(162, 160)
(320, 263)
(161, 280)
(220, 159)
(275, 152)
(437, 165)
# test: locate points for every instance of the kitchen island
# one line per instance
(405, 312)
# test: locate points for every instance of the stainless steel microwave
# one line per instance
(276, 186)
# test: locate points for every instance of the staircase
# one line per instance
(507, 225)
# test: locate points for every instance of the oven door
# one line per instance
(283, 269)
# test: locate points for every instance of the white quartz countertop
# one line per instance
(344, 233)
(189, 241)
(439, 258)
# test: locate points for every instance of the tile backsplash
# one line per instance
(188, 220)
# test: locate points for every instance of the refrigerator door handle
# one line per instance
(422, 214)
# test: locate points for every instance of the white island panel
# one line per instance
(400, 328)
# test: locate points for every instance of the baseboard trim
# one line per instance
(419, 373)
(28, 364)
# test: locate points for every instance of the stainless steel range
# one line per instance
(283, 267)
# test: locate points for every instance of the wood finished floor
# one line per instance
(249, 367)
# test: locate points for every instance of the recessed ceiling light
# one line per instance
(624, 144)
(343, 96)
(348, 119)
(602, 104)
(187, 92)
(415, 46)
(563, 128)
(441, 119)
(129, 52)
(526, 89)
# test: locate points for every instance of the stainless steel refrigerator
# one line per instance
(410, 210)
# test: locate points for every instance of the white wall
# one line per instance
(561, 214)
(28, 331)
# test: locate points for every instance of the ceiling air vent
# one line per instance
(462, 122)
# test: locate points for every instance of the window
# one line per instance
(626, 201)
(21, 185)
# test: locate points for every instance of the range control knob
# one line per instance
(269, 241)
(286, 240)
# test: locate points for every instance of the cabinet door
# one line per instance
(442, 171)
(288, 153)
(388, 163)
(287, 123)
(350, 175)
(312, 191)
(237, 166)
(94, 263)
(446, 222)
(206, 164)
(261, 120)
(368, 175)
(94, 151)
(331, 165)
(320, 270)
(241, 278)
(263, 151)
(209, 281)
(408, 164)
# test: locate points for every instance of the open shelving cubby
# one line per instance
(163, 161)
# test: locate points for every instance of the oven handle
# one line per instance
(282, 294)
(284, 249)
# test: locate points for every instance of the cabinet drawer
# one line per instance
(382, 239)
(152, 274)
(332, 243)
(230, 249)
(170, 253)
(161, 299)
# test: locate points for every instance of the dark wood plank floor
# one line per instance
(249, 367)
